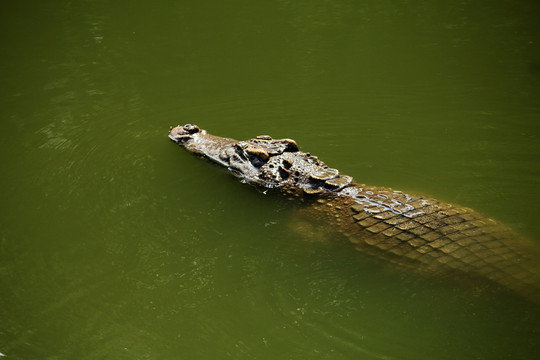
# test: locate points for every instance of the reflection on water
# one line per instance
(116, 244)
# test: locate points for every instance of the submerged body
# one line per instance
(422, 235)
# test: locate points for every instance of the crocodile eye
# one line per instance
(257, 156)
(258, 152)
(290, 145)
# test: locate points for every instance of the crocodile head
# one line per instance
(263, 161)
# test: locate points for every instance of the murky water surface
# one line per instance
(117, 244)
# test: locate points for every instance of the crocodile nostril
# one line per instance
(191, 129)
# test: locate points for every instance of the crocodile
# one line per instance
(408, 231)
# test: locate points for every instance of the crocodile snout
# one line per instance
(181, 133)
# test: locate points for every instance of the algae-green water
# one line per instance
(116, 243)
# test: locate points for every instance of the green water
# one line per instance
(117, 244)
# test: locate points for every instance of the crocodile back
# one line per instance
(432, 237)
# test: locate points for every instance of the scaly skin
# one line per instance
(422, 235)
